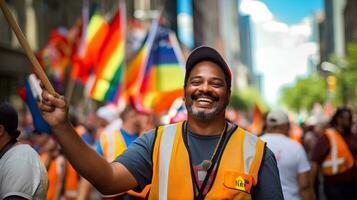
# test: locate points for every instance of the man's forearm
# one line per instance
(306, 186)
(307, 193)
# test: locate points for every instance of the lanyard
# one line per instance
(200, 195)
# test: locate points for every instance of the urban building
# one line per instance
(350, 16)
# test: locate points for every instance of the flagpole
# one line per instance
(20, 36)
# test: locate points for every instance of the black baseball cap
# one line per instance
(203, 53)
(8, 117)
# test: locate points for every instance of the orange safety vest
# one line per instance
(236, 174)
(113, 144)
(339, 159)
(52, 178)
(71, 185)
(72, 177)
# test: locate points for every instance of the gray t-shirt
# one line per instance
(22, 174)
(138, 160)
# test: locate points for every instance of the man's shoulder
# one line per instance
(147, 137)
(268, 153)
(22, 159)
(22, 150)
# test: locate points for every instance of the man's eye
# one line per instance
(195, 82)
(218, 84)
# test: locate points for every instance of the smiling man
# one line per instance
(205, 157)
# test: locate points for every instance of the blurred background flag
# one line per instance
(134, 70)
(161, 74)
(110, 64)
(55, 57)
(87, 54)
(256, 125)
(29, 94)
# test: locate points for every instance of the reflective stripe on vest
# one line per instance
(339, 158)
(71, 186)
(237, 171)
(112, 143)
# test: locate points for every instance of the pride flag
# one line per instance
(155, 76)
(86, 56)
(110, 64)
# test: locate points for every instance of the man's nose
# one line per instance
(204, 87)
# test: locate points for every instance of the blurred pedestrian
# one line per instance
(335, 156)
(113, 141)
(205, 157)
(292, 161)
(106, 115)
(314, 129)
(22, 174)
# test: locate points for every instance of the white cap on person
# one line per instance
(108, 112)
(277, 117)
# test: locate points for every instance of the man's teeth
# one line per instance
(204, 100)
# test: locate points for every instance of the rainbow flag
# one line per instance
(133, 71)
(110, 64)
(86, 56)
(156, 74)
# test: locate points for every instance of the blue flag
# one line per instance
(40, 124)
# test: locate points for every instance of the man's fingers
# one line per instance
(45, 96)
(46, 107)
(59, 102)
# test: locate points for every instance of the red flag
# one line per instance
(256, 125)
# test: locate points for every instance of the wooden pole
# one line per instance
(20, 36)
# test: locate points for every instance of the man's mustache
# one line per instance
(203, 95)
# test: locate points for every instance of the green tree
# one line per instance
(304, 93)
(245, 99)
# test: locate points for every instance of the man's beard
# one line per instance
(205, 115)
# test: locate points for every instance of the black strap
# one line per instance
(200, 195)
(7, 147)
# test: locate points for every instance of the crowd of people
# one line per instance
(128, 154)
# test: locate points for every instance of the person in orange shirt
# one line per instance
(335, 156)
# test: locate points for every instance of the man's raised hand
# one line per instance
(54, 109)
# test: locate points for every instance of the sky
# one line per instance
(282, 40)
